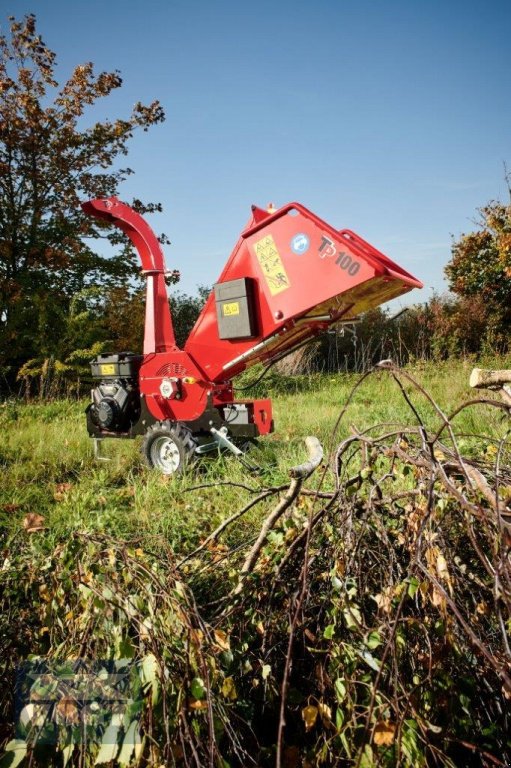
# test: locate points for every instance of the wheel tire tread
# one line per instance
(175, 430)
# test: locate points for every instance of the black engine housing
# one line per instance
(115, 403)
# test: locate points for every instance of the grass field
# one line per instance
(48, 466)
(384, 672)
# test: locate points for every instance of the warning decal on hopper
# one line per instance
(271, 264)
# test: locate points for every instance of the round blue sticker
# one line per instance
(300, 244)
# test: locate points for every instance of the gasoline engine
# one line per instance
(116, 398)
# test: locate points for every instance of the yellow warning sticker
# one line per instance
(229, 310)
(107, 369)
(273, 269)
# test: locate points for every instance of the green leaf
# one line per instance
(15, 752)
(229, 689)
(148, 669)
(226, 658)
(340, 689)
(197, 688)
(367, 759)
(373, 640)
(130, 741)
(328, 632)
(352, 616)
(409, 744)
(336, 583)
(67, 751)
(413, 586)
(345, 744)
(109, 743)
(124, 648)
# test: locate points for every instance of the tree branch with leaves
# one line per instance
(50, 160)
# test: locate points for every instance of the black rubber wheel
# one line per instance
(169, 446)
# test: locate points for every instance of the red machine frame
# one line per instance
(296, 275)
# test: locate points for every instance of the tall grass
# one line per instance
(48, 467)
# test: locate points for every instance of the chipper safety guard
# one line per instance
(290, 277)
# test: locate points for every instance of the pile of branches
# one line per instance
(365, 623)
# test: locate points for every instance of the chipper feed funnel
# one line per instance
(290, 277)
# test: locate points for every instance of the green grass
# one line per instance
(48, 467)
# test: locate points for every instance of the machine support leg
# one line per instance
(97, 450)
(220, 437)
(220, 440)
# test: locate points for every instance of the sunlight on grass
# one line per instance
(49, 469)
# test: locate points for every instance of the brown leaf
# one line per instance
(11, 507)
(33, 523)
(197, 704)
(326, 713)
(67, 710)
(260, 628)
(60, 491)
(384, 733)
(44, 593)
(441, 567)
(384, 599)
(309, 716)
(222, 640)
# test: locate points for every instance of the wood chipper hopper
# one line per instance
(290, 277)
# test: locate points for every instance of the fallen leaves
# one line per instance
(9, 508)
(61, 490)
(33, 523)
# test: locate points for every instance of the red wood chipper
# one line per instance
(290, 277)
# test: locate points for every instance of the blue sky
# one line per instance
(390, 118)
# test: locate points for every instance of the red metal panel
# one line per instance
(308, 276)
(192, 399)
(158, 330)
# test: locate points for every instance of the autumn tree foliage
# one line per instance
(480, 271)
(51, 158)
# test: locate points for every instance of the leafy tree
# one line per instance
(50, 160)
(185, 311)
(480, 270)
